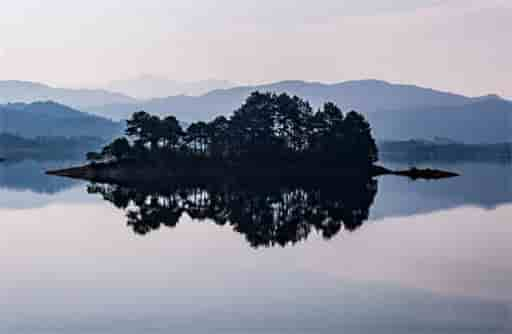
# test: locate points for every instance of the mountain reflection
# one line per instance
(267, 212)
(28, 175)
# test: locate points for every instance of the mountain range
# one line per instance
(483, 121)
(365, 95)
(25, 91)
(395, 111)
(148, 86)
(50, 119)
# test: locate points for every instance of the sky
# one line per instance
(455, 45)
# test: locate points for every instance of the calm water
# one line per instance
(432, 257)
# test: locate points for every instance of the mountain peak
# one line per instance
(374, 82)
(14, 84)
(489, 97)
(151, 86)
(26, 91)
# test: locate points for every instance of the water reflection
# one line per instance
(28, 175)
(267, 212)
(482, 184)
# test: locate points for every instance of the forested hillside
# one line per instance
(53, 119)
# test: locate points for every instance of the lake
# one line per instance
(425, 257)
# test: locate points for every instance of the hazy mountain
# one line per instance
(365, 96)
(147, 87)
(53, 119)
(23, 91)
(483, 121)
(28, 175)
(15, 148)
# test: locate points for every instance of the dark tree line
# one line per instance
(267, 213)
(267, 127)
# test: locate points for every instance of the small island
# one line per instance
(270, 135)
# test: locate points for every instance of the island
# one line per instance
(271, 136)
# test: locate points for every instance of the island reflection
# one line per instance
(268, 212)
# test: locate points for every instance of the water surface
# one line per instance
(431, 257)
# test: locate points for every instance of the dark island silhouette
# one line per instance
(269, 135)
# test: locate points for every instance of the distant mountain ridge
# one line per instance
(53, 119)
(25, 91)
(148, 86)
(363, 95)
(482, 121)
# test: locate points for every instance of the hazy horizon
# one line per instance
(457, 46)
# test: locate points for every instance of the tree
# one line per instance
(145, 128)
(137, 126)
(172, 133)
(94, 156)
(118, 149)
(359, 140)
(327, 132)
(292, 120)
(218, 132)
(254, 123)
(272, 124)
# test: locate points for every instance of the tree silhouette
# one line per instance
(269, 129)
(218, 131)
(172, 133)
(118, 149)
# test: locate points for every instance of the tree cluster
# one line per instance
(267, 127)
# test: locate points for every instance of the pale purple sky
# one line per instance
(456, 45)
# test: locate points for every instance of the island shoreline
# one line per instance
(148, 174)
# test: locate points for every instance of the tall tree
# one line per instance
(218, 132)
(118, 149)
(172, 133)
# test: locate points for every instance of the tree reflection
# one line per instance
(267, 212)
